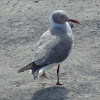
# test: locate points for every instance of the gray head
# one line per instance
(61, 17)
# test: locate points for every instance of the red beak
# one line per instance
(74, 21)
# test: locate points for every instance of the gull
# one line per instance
(54, 46)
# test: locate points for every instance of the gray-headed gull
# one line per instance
(54, 45)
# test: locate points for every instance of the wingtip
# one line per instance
(29, 66)
(19, 71)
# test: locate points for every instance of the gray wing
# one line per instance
(51, 49)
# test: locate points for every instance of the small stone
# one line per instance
(36, 1)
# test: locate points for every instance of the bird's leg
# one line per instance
(58, 83)
(44, 75)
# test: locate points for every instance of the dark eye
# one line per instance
(62, 16)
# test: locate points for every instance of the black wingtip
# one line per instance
(29, 66)
(20, 70)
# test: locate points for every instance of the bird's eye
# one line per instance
(62, 16)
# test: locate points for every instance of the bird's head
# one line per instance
(61, 17)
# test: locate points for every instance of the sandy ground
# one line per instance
(21, 24)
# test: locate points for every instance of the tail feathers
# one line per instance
(29, 66)
(35, 74)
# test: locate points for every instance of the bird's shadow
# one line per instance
(51, 93)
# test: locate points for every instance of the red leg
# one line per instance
(44, 75)
(58, 83)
